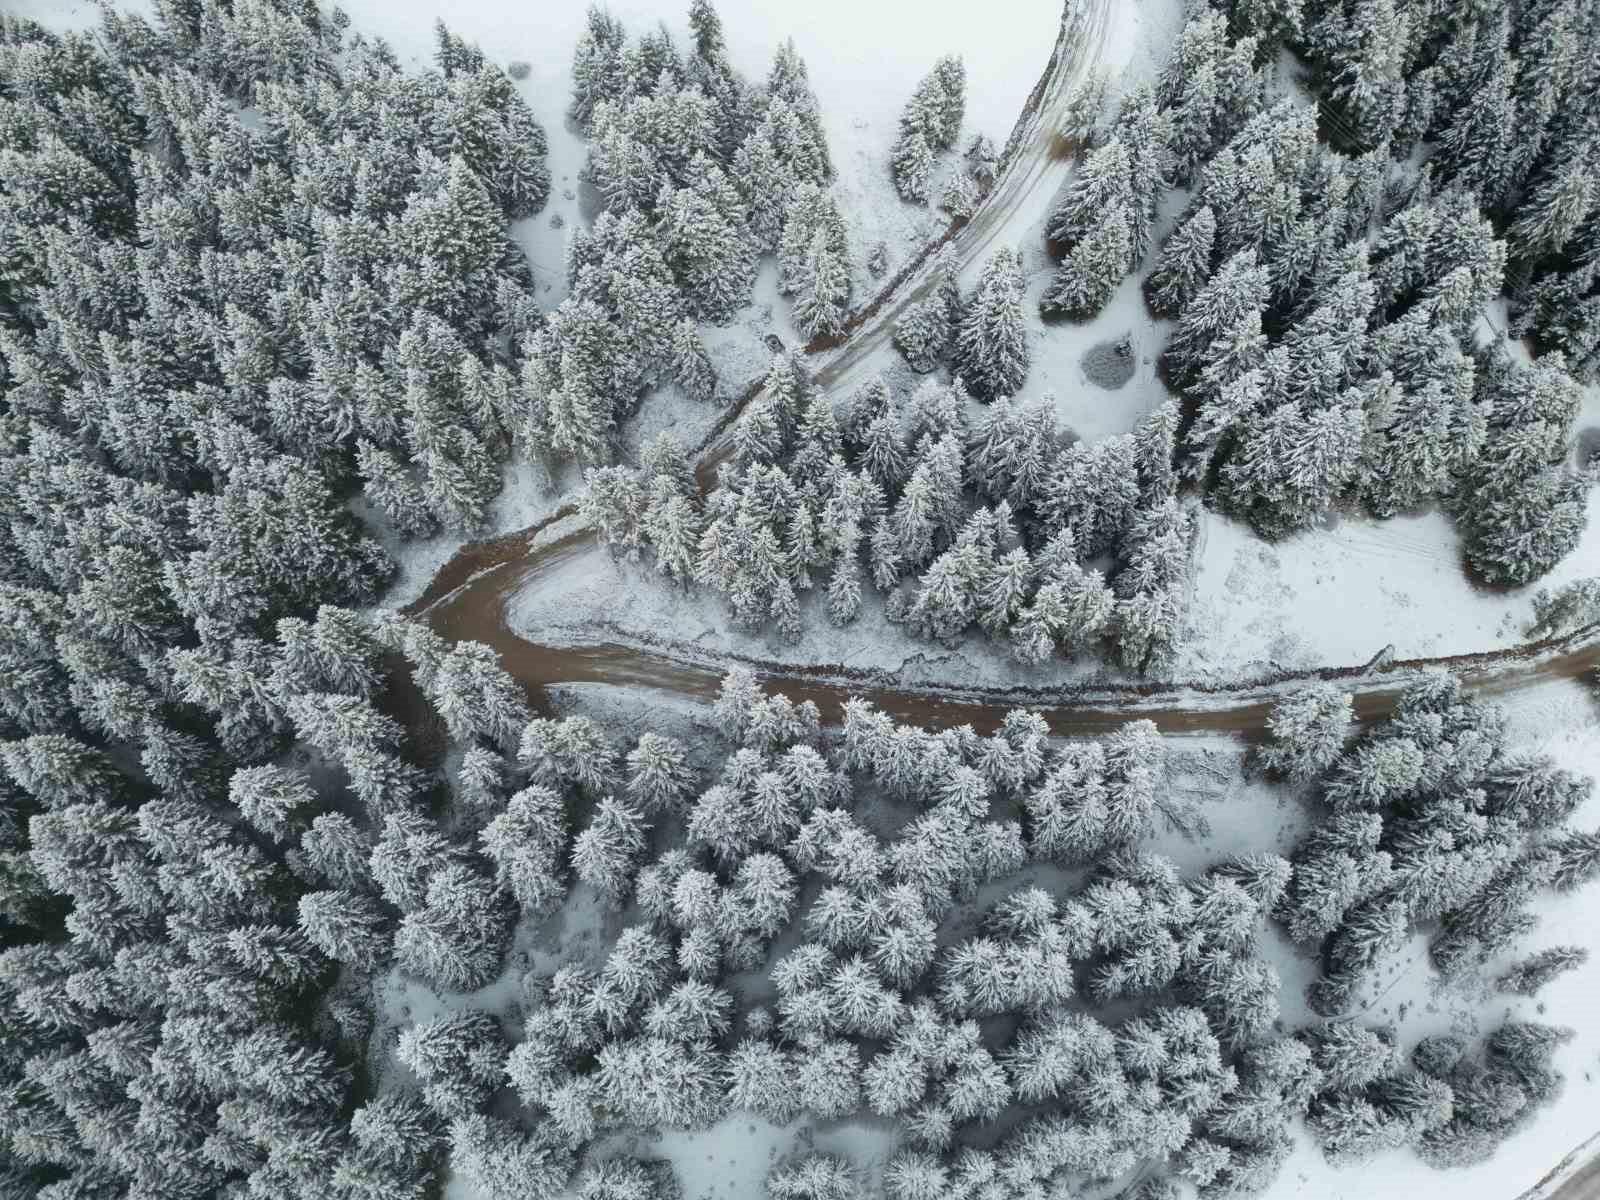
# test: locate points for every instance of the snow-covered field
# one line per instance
(1336, 596)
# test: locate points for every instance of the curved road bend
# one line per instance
(468, 600)
(467, 597)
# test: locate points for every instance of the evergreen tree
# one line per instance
(1184, 266)
(991, 345)
(1307, 732)
(659, 775)
(960, 196)
(1531, 974)
(458, 935)
(506, 1164)
(604, 854)
(1152, 585)
(346, 926)
(913, 164)
(691, 364)
(812, 1177)
(812, 212)
(1088, 276)
(925, 335)
(629, 1178)
(526, 843)
(824, 293)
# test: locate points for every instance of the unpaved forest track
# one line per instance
(467, 598)
(470, 596)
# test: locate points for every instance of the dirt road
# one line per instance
(468, 599)
(1037, 163)
(1582, 1184)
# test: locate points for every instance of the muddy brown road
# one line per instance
(467, 598)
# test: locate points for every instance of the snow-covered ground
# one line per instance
(66, 16)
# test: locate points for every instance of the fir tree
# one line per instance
(991, 345)
(812, 1177)
(1184, 266)
(824, 293)
(960, 196)
(604, 854)
(925, 335)
(505, 1163)
(1088, 276)
(913, 165)
(346, 926)
(691, 365)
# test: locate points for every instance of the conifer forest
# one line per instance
(725, 600)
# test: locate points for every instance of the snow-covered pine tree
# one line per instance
(929, 123)
(527, 843)
(396, 494)
(982, 160)
(1103, 183)
(1552, 213)
(810, 212)
(1575, 859)
(1089, 275)
(660, 778)
(496, 1157)
(1152, 585)
(1145, 130)
(926, 334)
(823, 296)
(1522, 507)
(1184, 266)
(912, 165)
(597, 63)
(1569, 607)
(691, 365)
(605, 854)
(812, 1177)
(346, 926)
(960, 196)
(1307, 732)
(457, 937)
(701, 231)
(1237, 289)
(1289, 467)
(991, 344)
(1527, 977)
(272, 798)
(951, 75)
